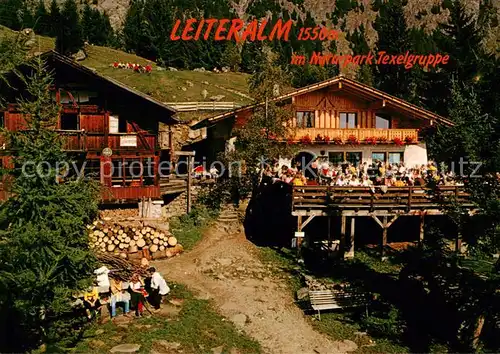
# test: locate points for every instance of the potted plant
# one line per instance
(337, 140)
(318, 139)
(382, 140)
(326, 139)
(353, 140)
(398, 141)
(306, 140)
(290, 141)
(371, 140)
(409, 140)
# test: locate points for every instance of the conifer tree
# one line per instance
(55, 18)
(44, 244)
(394, 38)
(42, 19)
(69, 37)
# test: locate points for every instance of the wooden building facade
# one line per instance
(111, 129)
(343, 120)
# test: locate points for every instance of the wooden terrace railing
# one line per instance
(78, 140)
(407, 198)
(361, 133)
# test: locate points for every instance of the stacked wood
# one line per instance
(121, 268)
(121, 240)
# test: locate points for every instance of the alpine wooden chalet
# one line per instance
(345, 120)
(102, 122)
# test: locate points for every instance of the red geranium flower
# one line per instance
(306, 139)
(326, 139)
(409, 140)
(115, 64)
(337, 140)
(353, 140)
(398, 141)
(371, 140)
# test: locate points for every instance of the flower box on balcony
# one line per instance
(371, 140)
(382, 140)
(398, 141)
(409, 140)
(306, 140)
(352, 140)
(337, 141)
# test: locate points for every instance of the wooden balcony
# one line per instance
(116, 194)
(361, 134)
(77, 140)
(361, 200)
(81, 141)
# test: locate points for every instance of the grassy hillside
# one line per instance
(163, 85)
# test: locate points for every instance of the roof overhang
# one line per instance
(341, 83)
(120, 87)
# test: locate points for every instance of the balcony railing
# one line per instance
(360, 134)
(76, 140)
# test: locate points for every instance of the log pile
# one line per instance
(132, 242)
(121, 269)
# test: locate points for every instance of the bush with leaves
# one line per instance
(44, 252)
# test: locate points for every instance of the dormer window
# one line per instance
(305, 119)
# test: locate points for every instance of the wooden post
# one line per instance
(350, 254)
(384, 237)
(421, 234)
(189, 182)
(342, 235)
(458, 243)
(190, 159)
(329, 231)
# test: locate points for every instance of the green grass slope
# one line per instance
(163, 85)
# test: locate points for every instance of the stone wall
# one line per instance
(176, 205)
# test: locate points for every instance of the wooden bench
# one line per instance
(336, 299)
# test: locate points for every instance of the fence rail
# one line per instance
(203, 106)
(408, 198)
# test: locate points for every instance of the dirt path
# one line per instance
(225, 267)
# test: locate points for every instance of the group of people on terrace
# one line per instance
(323, 172)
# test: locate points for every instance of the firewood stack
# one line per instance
(132, 241)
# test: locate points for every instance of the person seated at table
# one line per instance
(119, 295)
(340, 181)
(299, 179)
(399, 182)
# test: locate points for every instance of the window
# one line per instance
(382, 122)
(395, 157)
(348, 120)
(378, 156)
(353, 157)
(305, 119)
(70, 121)
(335, 157)
(2, 119)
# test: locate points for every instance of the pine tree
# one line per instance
(13, 14)
(44, 243)
(69, 38)
(55, 18)
(42, 19)
(87, 23)
(393, 38)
